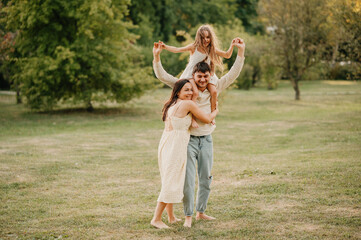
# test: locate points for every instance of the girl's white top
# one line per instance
(195, 58)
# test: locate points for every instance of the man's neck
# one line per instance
(202, 89)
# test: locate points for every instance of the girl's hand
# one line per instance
(234, 41)
(237, 41)
(162, 45)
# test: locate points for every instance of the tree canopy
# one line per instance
(78, 50)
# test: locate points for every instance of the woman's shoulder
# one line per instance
(187, 103)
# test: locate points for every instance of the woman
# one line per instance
(172, 150)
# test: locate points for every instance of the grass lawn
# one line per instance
(283, 169)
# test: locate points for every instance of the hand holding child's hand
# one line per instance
(162, 45)
(157, 49)
(239, 43)
(237, 40)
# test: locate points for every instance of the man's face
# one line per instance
(202, 79)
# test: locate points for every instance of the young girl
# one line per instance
(204, 48)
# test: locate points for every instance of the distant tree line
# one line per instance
(82, 51)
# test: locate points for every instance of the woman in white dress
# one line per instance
(172, 150)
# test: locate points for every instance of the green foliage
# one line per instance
(78, 50)
(345, 23)
(300, 32)
(247, 13)
(271, 73)
(319, 71)
(165, 17)
(345, 71)
(245, 79)
(260, 63)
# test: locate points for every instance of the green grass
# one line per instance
(283, 169)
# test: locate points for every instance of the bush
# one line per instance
(244, 81)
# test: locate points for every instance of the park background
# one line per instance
(81, 118)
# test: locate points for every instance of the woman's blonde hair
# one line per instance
(211, 49)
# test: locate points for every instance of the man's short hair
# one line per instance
(201, 67)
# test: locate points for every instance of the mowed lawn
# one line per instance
(283, 169)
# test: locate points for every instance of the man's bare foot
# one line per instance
(188, 221)
(204, 216)
(158, 224)
(174, 220)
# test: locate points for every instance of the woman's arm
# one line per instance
(198, 113)
(189, 47)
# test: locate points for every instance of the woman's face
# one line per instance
(186, 93)
(206, 40)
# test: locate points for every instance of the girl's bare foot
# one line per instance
(174, 220)
(204, 216)
(158, 224)
(188, 221)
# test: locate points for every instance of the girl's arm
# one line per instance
(224, 54)
(198, 113)
(189, 47)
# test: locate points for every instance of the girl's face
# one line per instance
(206, 40)
(186, 93)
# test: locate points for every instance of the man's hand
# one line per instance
(239, 43)
(162, 44)
(157, 49)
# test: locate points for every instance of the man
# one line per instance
(200, 146)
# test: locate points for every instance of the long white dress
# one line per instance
(172, 156)
(195, 58)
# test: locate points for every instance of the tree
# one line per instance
(164, 18)
(247, 13)
(345, 33)
(78, 50)
(300, 34)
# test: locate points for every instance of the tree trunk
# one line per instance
(18, 97)
(89, 107)
(296, 88)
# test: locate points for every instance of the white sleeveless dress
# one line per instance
(172, 156)
(195, 58)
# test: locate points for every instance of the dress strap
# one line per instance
(175, 110)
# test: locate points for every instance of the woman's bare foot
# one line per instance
(174, 220)
(203, 216)
(188, 221)
(158, 224)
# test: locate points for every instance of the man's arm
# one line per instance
(235, 70)
(159, 71)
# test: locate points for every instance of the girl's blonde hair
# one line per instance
(211, 49)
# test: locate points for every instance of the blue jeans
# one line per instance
(200, 151)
